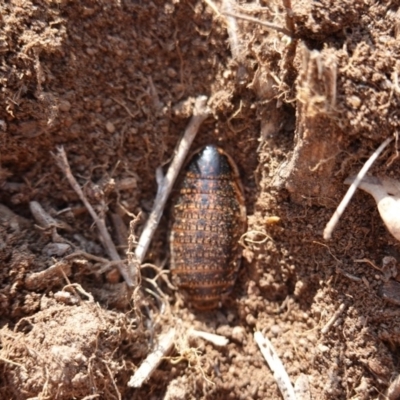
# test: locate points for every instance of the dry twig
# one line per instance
(330, 226)
(200, 113)
(112, 380)
(47, 222)
(44, 219)
(274, 362)
(333, 319)
(289, 15)
(62, 162)
(89, 256)
(152, 361)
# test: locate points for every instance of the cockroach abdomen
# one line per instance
(209, 217)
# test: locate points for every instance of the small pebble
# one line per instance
(354, 101)
(250, 320)
(253, 289)
(147, 42)
(56, 249)
(239, 334)
(171, 73)
(303, 342)
(288, 355)
(323, 348)
(224, 330)
(64, 106)
(91, 51)
(275, 330)
(110, 127)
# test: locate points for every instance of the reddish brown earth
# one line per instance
(114, 83)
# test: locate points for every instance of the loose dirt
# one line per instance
(114, 83)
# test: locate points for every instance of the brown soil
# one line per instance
(114, 83)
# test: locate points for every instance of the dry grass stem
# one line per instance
(153, 359)
(330, 226)
(211, 4)
(110, 248)
(217, 340)
(268, 25)
(276, 366)
(232, 28)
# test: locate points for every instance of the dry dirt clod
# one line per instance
(66, 298)
(62, 346)
(110, 127)
(48, 278)
(56, 249)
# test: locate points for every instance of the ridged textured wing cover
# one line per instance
(209, 217)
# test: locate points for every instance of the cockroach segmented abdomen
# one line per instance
(209, 217)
